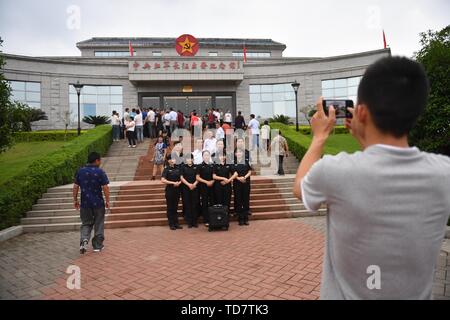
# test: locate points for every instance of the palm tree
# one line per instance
(96, 120)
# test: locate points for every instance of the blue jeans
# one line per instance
(255, 141)
(116, 132)
(140, 133)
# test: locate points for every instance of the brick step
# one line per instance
(255, 207)
(160, 193)
(151, 202)
(151, 196)
(56, 227)
(67, 199)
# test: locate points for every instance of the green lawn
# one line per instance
(341, 142)
(21, 155)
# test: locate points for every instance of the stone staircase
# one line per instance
(142, 203)
(137, 202)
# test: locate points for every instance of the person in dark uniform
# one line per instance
(171, 178)
(240, 144)
(241, 187)
(205, 178)
(222, 187)
(190, 193)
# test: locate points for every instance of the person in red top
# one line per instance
(180, 119)
(194, 121)
(211, 119)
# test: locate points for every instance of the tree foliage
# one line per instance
(5, 107)
(97, 120)
(432, 132)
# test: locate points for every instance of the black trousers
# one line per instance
(172, 199)
(190, 205)
(241, 200)
(206, 200)
(280, 165)
(131, 138)
(222, 194)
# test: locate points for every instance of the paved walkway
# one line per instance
(271, 259)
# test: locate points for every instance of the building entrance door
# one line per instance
(188, 104)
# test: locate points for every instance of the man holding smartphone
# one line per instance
(388, 204)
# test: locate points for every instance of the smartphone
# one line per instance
(341, 107)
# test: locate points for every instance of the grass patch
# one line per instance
(17, 159)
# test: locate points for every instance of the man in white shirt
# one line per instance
(253, 125)
(210, 142)
(198, 152)
(216, 114)
(227, 118)
(173, 120)
(115, 123)
(388, 204)
(139, 126)
(151, 123)
(220, 134)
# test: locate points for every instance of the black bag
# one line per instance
(218, 217)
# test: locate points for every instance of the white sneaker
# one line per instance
(99, 249)
(129, 146)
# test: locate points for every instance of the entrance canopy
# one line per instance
(188, 69)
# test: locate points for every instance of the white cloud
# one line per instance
(308, 28)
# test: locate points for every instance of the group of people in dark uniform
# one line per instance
(210, 183)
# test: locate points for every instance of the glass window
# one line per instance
(266, 97)
(255, 97)
(267, 88)
(340, 92)
(340, 83)
(17, 85)
(26, 92)
(89, 110)
(343, 88)
(116, 99)
(103, 90)
(254, 88)
(328, 84)
(96, 100)
(116, 90)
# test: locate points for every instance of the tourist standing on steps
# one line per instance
(253, 125)
(115, 123)
(265, 135)
(171, 178)
(159, 155)
(131, 126)
(151, 119)
(92, 181)
(280, 150)
(139, 126)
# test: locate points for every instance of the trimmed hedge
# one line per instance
(337, 130)
(18, 194)
(56, 135)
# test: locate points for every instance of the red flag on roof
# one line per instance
(131, 49)
(384, 40)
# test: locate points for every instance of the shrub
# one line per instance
(97, 120)
(18, 194)
(56, 135)
(280, 119)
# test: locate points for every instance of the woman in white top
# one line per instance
(131, 126)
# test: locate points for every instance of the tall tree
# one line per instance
(432, 132)
(5, 108)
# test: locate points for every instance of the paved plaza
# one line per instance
(270, 259)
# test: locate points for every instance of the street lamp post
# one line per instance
(296, 85)
(78, 87)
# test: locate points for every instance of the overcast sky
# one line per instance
(308, 28)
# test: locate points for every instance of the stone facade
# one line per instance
(56, 74)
